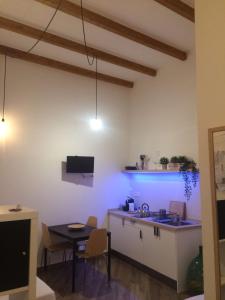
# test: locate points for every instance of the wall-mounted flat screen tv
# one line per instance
(80, 164)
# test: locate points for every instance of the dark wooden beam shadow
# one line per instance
(117, 28)
(44, 61)
(73, 46)
(180, 8)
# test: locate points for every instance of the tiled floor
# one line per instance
(128, 283)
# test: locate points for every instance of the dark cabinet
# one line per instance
(14, 254)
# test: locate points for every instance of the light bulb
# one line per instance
(96, 124)
(3, 129)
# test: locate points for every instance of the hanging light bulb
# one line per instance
(96, 123)
(3, 125)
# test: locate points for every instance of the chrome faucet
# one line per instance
(144, 212)
(145, 206)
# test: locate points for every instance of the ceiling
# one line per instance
(146, 16)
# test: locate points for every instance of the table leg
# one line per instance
(74, 267)
(109, 257)
(45, 258)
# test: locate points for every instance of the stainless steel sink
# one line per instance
(173, 223)
(142, 216)
(139, 216)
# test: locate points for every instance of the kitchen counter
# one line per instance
(150, 221)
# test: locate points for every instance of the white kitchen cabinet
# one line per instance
(166, 251)
(125, 237)
(159, 251)
(133, 240)
(116, 225)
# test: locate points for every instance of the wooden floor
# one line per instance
(128, 283)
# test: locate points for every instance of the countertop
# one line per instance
(149, 221)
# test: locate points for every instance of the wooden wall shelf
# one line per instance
(150, 171)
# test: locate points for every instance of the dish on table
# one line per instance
(76, 226)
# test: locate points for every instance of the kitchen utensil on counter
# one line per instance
(143, 211)
(129, 204)
(145, 206)
(178, 208)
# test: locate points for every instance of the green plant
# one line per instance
(182, 159)
(174, 160)
(164, 160)
(189, 173)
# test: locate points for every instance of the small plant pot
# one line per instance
(164, 166)
(174, 166)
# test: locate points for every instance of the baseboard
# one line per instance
(168, 281)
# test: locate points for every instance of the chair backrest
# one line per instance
(92, 221)
(47, 242)
(97, 243)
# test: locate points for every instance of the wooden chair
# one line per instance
(96, 246)
(51, 246)
(92, 221)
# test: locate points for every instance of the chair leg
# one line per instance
(108, 268)
(85, 273)
(45, 258)
(64, 256)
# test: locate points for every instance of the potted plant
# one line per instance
(142, 158)
(174, 163)
(189, 173)
(182, 160)
(164, 162)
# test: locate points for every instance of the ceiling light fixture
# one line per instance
(95, 123)
(3, 125)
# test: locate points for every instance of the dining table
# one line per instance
(74, 236)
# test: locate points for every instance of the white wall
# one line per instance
(159, 189)
(163, 117)
(163, 122)
(48, 112)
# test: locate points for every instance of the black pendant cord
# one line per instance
(46, 28)
(4, 91)
(90, 61)
(96, 87)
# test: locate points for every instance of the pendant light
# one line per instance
(3, 125)
(95, 123)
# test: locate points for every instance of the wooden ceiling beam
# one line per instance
(117, 28)
(180, 8)
(73, 46)
(41, 60)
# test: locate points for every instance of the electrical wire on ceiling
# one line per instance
(4, 91)
(35, 44)
(46, 28)
(90, 60)
(96, 88)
